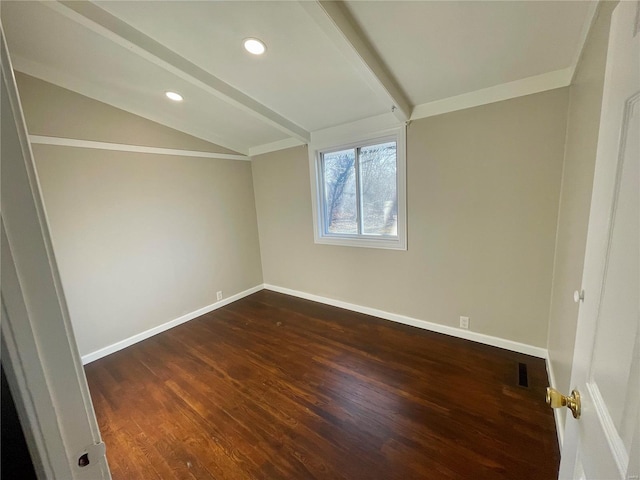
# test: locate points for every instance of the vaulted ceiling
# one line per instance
(326, 64)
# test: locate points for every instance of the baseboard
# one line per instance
(103, 352)
(556, 411)
(434, 327)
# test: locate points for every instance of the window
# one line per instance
(359, 193)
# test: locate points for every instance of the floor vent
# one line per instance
(523, 377)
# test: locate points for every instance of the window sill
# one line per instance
(363, 242)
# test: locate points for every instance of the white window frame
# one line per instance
(331, 143)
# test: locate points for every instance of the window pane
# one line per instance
(379, 189)
(340, 192)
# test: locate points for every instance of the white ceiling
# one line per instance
(327, 63)
(468, 46)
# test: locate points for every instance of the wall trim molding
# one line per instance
(505, 91)
(557, 412)
(274, 146)
(121, 147)
(103, 352)
(425, 325)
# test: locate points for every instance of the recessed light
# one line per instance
(176, 97)
(254, 46)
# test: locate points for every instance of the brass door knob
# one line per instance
(556, 400)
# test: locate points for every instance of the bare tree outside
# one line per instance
(340, 192)
(375, 184)
(379, 189)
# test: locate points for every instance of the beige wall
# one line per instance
(582, 135)
(483, 193)
(140, 239)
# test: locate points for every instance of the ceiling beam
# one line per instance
(338, 24)
(111, 27)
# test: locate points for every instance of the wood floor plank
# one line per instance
(275, 387)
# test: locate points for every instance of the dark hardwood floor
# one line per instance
(275, 387)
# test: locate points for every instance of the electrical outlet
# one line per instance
(219, 295)
(464, 323)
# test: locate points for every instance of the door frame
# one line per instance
(39, 352)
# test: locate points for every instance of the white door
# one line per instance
(39, 353)
(603, 443)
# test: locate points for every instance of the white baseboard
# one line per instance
(556, 411)
(103, 352)
(434, 327)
